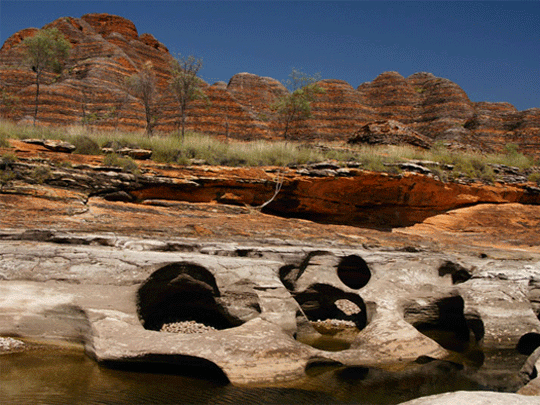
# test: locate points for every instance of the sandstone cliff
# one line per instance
(106, 49)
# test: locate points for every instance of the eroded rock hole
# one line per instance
(183, 296)
(444, 321)
(321, 301)
(354, 272)
(528, 343)
(336, 315)
(190, 366)
(458, 273)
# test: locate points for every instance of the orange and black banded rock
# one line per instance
(106, 49)
(338, 111)
(498, 124)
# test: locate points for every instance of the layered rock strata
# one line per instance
(341, 196)
(106, 49)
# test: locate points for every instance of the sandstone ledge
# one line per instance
(345, 196)
(78, 265)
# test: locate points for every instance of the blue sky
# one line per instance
(491, 49)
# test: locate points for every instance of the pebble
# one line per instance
(9, 344)
(348, 307)
(186, 327)
(336, 322)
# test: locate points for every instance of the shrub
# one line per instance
(535, 178)
(40, 174)
(513, 157)
(8, 159)
(6, 176)
(126, 163)
(85, 145)
(373, 162)
(3, 140)
(6, 172)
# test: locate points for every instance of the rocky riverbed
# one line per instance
(261, 299)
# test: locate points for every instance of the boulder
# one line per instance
(136, 153)
(389, 133)
(59, 146)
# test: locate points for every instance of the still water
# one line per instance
(48, 376)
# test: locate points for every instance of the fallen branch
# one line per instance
(279, 185)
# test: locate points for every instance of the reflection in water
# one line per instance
(69, 377)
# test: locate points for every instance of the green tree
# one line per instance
(143, 85)
(185, 85)
(45, 51)
(295, 107)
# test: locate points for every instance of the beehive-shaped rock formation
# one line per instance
(107, 49)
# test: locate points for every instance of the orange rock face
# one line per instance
(106, 49)
(348, 197)
(216, 202)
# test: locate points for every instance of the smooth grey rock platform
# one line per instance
(475, 398)
(87, 289)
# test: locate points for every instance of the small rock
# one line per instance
(33, 141)
(321, 173)
(198, 162)
(59, 146)
(348, 307)
(139, 154)
(324, 165)
(186, 327)
(8, 344)
(120, 196)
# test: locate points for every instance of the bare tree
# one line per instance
(185, 84)
(143, 85)
(46, 50)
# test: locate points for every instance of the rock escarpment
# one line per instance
(106, 49)
(329, 194)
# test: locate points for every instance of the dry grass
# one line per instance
(169, 148)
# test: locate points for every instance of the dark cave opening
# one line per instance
(445, 321)
(528, 343)
(318, 302)
(336, 316)
(182, 365)
(182, 292)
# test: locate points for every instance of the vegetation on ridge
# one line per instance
(185, 85)
(144, 86)
(169, 148)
